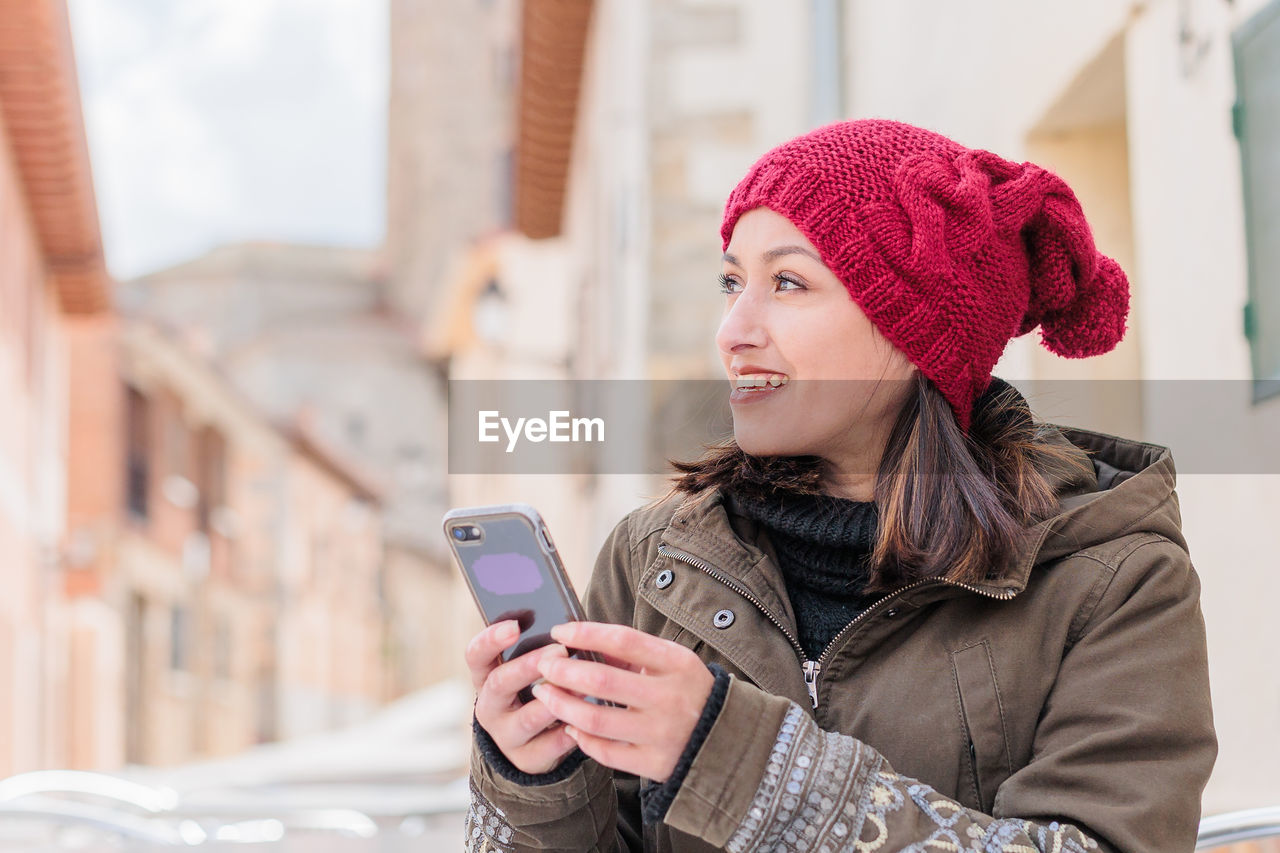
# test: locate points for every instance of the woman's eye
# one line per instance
(727, 285)
(781, 279)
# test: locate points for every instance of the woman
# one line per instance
(895, 612)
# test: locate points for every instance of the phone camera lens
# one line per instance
(459, 533)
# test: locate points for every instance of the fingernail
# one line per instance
(571, 731)
(539, 690)
(562, 633)
(508, 630)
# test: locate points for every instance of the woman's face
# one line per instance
(791, 325)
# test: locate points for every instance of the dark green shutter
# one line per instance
(1256, 120)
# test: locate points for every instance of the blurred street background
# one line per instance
(246, 244)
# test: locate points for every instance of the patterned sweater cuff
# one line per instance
(503, 767)
(657, 797)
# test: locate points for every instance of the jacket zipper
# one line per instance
(813, 669)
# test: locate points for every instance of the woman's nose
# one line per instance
(743, 324)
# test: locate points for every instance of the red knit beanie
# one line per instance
(950, 251)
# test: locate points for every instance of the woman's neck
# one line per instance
(852, 479)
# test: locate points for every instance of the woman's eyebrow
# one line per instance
(789, 250)
(777, 252)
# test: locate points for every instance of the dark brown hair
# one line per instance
(949, 504)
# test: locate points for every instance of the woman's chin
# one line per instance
(761, 443)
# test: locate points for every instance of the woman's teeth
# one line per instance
(760, 380)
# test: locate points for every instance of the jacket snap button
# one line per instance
(664, 579)
(722, 619)
(891, 613)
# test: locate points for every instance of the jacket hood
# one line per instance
(1131, 490)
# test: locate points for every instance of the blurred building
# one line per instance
(1161, 114)
(449, 141)
(52, 279)
(484, 301)
(306, 327)
(331, 605)
(186, 573)
(306, 330)
(223, 576)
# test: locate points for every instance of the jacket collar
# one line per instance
(1129, 489)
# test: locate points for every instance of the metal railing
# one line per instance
(1235, 827)
(157, 816)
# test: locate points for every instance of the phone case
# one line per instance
(545, 545)
(541, 534)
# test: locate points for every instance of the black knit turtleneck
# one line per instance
(824, 546)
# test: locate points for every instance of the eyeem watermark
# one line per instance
(1210, 426)
(557, 427)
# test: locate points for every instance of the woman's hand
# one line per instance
(520, 731)
(663, 684)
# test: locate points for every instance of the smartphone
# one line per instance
(513, 570)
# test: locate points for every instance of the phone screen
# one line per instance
(512, 579)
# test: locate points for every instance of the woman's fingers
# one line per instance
(544, 752)
(612, 753)
(498, 693)
(597, 679)
(613, 723)
(622, 642)
(662, 685)
(528, 722)
(526, 734)
(617, 662)
(482, 654)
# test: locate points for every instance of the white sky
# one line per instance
(213, 121)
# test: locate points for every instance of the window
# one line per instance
(177, 441)
(137, 474)
(506, 186)
(211, 475)
(222, 649)
(178, 639)
(1257, 125)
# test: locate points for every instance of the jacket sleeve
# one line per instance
(593, 808)
(1121, 754)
